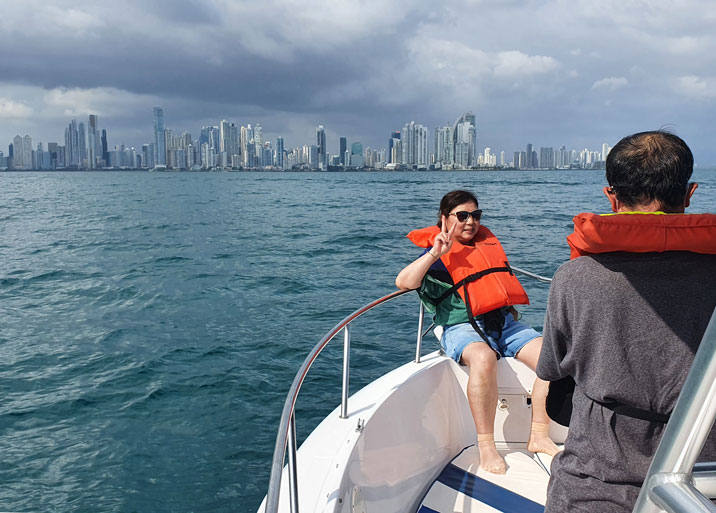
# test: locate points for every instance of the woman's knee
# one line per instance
(479, 357)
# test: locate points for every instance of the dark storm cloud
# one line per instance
(547, 72)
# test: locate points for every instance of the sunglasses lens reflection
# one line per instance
(463, 215)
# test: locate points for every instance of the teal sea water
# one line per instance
(151, 323)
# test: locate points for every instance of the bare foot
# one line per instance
(540, 441)
(490, 459)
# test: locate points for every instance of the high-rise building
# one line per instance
(546, 158)
(103, 145)
(72, 146)
(160, 156)
(605, 151)
(321, 144)
(247, 140)
(395, 136)
(356, 158)
(17, 152)
(343, 148)
(228, 139)
(93, 142)
(82, 138)
(444, 147)
(27, 153)
(278, 161)
(414, 140)
(464, 131)
(258, 136)
(529, 164)
(225, 137)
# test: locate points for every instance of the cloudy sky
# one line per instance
(560, 72)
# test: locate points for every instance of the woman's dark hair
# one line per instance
(452, 199)
(650, 166)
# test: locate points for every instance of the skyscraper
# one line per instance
(160, 157)
(82, 139)
(103, 144)
(415, 145)
(72, 146)
(247, 140)
(279, 153)
(394, 137)
(17, 152)
(321, 144)
(357, 159)
(343, 147)
(444, 148)
(225, 137)
(93, 142)
(465, 132)
(529, 164)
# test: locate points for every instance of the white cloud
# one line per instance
(696, 87)
(518, 64)
(101, 100)
(51, 18)
(610, 84)
(72, 21)
(13, 109)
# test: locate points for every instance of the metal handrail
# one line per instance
(287, 426)
(532, 275)
(286, 437)
(670, 485)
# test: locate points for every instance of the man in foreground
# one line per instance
(624, 318)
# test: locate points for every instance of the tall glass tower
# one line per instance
(321, 143)
(342, 155)
(160, 148)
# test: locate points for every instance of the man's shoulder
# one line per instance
(577, 267)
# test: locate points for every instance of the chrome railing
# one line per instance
(287, 426)
(532, 275)
(286, 437)
(675, 482)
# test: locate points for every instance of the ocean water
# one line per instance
(151, 323)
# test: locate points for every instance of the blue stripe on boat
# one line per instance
(487, 492)
(425, 509)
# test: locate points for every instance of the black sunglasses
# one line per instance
(463, 215)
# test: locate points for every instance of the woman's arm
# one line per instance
(412, 275)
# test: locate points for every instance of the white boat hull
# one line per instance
(401, 432)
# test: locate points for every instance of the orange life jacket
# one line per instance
(642, 232)
(481, 273)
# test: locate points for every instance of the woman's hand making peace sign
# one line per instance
(443, 240)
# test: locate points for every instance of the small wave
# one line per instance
(284, 285)
(58, 275)
(172, 259)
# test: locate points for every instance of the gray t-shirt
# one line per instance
(626, 326)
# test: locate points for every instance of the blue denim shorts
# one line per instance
(515, 336)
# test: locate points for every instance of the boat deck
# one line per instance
(463, 487)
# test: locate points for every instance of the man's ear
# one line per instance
(612, 197)
(690, 192)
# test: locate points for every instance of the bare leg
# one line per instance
(482, 396)
(539, 440)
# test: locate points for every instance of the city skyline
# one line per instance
(229, 146)
(364, 69)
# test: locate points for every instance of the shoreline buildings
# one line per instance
(229, 146)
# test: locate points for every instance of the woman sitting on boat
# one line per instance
(464, 278)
